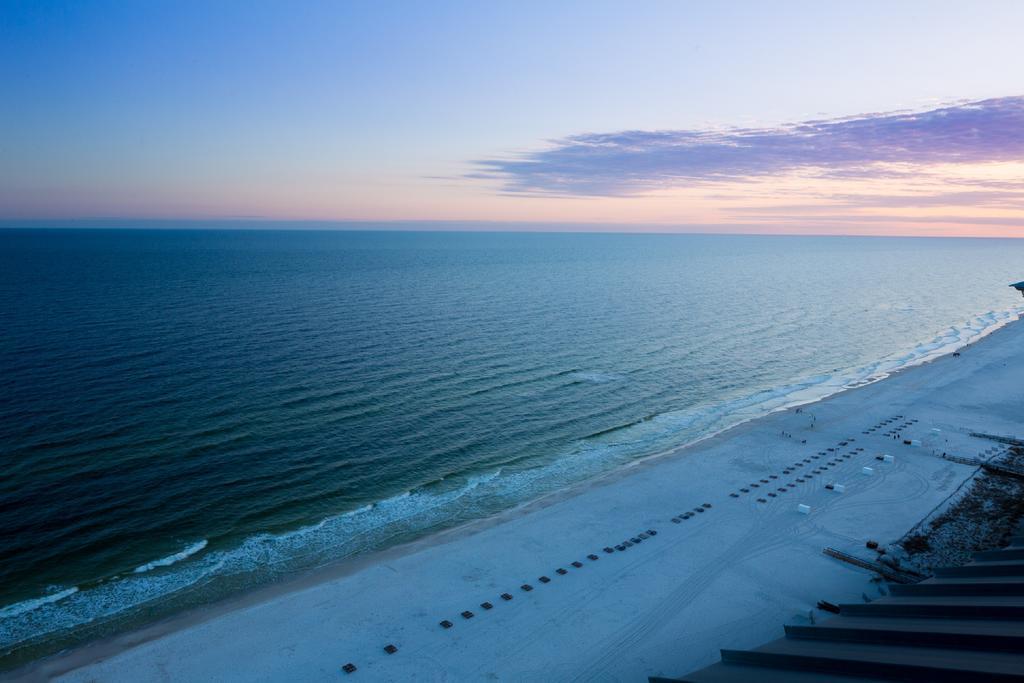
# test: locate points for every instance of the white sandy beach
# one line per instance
(726, 577)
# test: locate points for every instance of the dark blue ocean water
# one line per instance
(185, 414)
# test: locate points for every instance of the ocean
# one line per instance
(187, 414)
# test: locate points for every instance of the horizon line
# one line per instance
(258, 224)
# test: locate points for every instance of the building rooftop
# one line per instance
(966, 623)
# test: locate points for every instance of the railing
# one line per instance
(888, 573)
(1005, 470)
(1009, 440)
(973, 462)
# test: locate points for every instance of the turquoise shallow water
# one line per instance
(185, 414)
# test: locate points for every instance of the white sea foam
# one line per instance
(172, 559)
(35, 603)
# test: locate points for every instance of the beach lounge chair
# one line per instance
(349, 668)
(609, 550)
(593, 558)
(544, 579)
(577, 564)
(506, 596)
(487, 605)
(467, 615)
(561, 571)
(390, 649)
(446, 624)
(527, 587)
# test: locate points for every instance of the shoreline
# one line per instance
(321, 578)
(723, 415)
(734, 412)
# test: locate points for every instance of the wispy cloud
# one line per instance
(890, 219)
(1001, 199)
(635, 162)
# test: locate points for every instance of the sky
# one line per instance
(790, 117)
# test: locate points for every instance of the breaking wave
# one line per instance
(172, 559)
